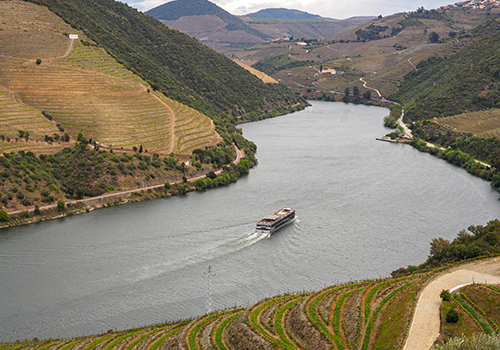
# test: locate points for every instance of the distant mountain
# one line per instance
(282, 13)
(224, 32)
(175, 10)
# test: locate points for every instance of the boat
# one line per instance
(271, 223)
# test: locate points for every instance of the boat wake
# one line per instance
(214, 253)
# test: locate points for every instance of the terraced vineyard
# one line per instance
(365, 315)
(478, 308)
(87, 91)
(362, 315)
(483, 124)
(15, 116)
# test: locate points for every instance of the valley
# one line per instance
(102, 105)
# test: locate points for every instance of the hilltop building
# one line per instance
(329, 71)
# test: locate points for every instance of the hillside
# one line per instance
(357, 315)
(81, 89)
(224, 32)
(381, 51)
(282, 13)
(463, 82)
(207, 22)
(173, 63)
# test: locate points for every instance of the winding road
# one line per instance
(426, 322)
(239, 155)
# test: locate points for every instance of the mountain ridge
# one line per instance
(282, 13)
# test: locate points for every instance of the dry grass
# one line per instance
(87, 92)
(262, 76)
(484, 124)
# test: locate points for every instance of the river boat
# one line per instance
(271, 223)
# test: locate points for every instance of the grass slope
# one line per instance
(174, 63)
(87, 92)
(463, 82)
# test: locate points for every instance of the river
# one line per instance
(364, 208)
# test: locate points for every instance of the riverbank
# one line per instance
(142, 193)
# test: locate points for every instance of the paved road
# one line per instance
(426, 322)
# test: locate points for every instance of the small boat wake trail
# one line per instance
(214, 253)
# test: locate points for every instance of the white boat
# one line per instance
(271, 223)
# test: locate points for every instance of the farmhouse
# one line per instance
(329, 71)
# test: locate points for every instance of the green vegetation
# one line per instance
(272, 65)
(476, 342)
(283, 321)
(479, 241)
(473, 313)
(477, 155)
(79, 172)
(372, 32)
(173, 63)
(465, 81)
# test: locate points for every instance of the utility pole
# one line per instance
(209, 296)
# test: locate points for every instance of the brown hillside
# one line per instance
(262, 76)
(87, 91)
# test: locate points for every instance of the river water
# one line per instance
(364, 208)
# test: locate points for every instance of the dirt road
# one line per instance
(426, 321)
(239, 155)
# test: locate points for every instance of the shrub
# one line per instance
(4, 217)
(38, 61)
(451, 316)
(167, 185)
(37, 209)
(60, 204)
(25, 202)
(445, 295)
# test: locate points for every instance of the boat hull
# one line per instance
(272, 223)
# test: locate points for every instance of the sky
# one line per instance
(338, 9)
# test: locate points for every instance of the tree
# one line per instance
(244, 166)
(37, 209)
(452, 34)
(60, 204)
(167, 185)
(433, 37)
(437, 245)
(140, 149)
(367, 95)
(355, 91)
(346, 95)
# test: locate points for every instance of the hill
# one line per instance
(77, 88)
(207, 22)
(374, 314)
(225, 32)
(282, 13)
(381, 51)
(173, 63)
(463, 82)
